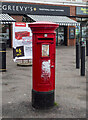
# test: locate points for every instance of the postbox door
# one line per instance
(47, 80)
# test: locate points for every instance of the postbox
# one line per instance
(44, 41)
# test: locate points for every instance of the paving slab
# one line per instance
(70, 92)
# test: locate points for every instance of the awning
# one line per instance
(6, 19)
(61, 20)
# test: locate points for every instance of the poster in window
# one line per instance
(71, 33)
(22, 41)
(20, 51)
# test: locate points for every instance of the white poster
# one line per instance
(22, 41)
(46, 73)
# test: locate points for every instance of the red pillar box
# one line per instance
(44, 41)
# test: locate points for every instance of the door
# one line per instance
(47, 77)
(65, 35)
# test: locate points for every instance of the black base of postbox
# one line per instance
(42, 100)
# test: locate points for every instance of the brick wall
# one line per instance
(18, 18)
(70, 42)
(72, 11)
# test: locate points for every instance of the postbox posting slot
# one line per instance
(45, 38)
(49, 40)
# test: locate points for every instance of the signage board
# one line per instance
(34, 9)
(22, 41)
(81, 10)
(71, 33)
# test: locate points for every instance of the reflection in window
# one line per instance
(4, 31)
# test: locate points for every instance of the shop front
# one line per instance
(63, 31)
(23, 12)
(82, 18)
(5, 31)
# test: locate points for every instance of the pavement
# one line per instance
(70, 91)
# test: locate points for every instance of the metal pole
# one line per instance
(57, 37)
(2, 56)
(77, 55)
(80, 36)
(86, 47)
(83, 60)
(87, 39)
(10, 44)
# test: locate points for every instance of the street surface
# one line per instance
(70, 92)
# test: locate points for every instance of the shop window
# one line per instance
(61, 35)
(4, 32)
(24, 19)
(83, 22)
(27, 19)
(77, 33)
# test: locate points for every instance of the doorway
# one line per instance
(62, 35)
(65, 36)
(5, 34)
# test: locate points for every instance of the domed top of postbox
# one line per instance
(43, 27)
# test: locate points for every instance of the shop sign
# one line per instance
(81, 10)
(22, 41)
(34, 9)
(71, 33)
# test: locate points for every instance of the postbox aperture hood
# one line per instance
(43, 26)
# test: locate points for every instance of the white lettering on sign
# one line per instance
(15, 8)
(44, 9)
(31, 9)
(9, 7)
(25, 8)
(4, 7)
(21, 8)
